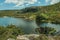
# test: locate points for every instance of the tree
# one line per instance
(39, 19)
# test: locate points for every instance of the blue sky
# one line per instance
(19, 4)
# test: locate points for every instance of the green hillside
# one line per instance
(50, 12)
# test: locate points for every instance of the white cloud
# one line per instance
(20, 2)
(54, 1)
(11, 1)
(32, 1)
(47, 1)
(27, 2)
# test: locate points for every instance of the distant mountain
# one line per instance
(42, 9)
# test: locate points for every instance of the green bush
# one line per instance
(11, 31)
(46, 30)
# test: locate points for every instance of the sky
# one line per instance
(19, 4)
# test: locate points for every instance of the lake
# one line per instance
(56, 26)
(27, 25)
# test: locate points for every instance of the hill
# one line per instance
(49, 12)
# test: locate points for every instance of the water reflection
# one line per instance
(28, 26)
(56, 26)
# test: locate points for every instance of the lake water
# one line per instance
(56, 26)
(28, 26)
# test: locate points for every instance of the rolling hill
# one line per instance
(50, 12)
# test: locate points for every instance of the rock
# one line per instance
(22, 38)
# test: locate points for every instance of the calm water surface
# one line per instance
(28, 26)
